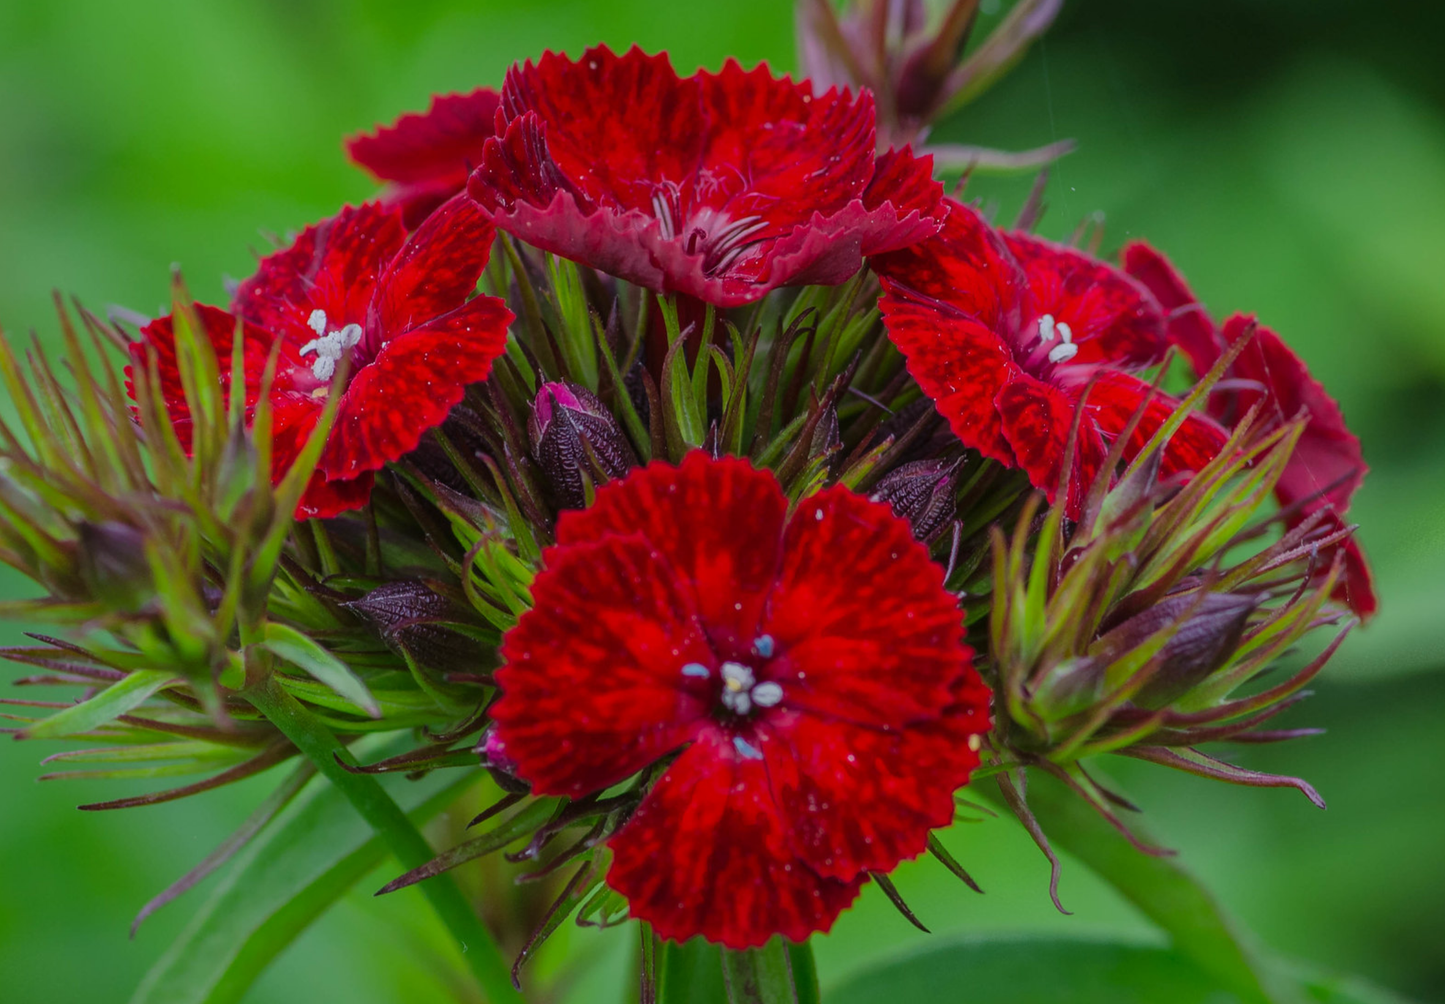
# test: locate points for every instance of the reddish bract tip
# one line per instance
(812, 668)
(427, 156)
(722, 185)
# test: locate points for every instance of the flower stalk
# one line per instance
(331, 759)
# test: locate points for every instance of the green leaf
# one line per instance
(286, 878)
(1033, 971)
(108, 705)
(1049, 970)
(299, 650)
(1159, 887)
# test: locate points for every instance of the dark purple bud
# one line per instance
(1205, 640)
(112, 562)
(575, 440)
(924, 493)
(419, 622)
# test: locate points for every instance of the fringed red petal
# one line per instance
(411, 386)
(864, 630)
(593, 688)
(332, 266)
(720, 524)
(709, 853)
(1113, 319)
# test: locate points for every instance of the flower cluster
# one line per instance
(653, 439)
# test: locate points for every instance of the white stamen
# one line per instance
(1063, 352)
(1046, 328)
(737, 677)
(1065, 332)
(317, 322)
(765, 695)
(746, 749)
(329, 348)
(975, 742)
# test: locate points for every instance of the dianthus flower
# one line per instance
(426, 157)
(720, 185)
(396, 309)
(1010, 335)
(801, 685)
(1327, 465)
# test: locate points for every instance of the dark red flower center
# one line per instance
(740, 688)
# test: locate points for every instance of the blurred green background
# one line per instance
(1289, 155)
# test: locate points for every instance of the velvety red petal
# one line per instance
(1114, 319)
(592, 686)
(1356, 588)
(527, 195)
(443, 143)
(1037, 419)
(332, 266)
(324, 499)
(1328, 453)
(220, 331)
(966, 266)
(720, 186)
(1188, 325)
(651, 132)
(708, 853)
(863, 628)
(436, 270)
(411, 386)
(861, 799)
(960, 363)
(719, 523)
(1115, 398)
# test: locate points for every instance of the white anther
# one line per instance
(329, 348)
(1063, 352)
(317, 322)
(765, 695)
(1065, 332)
(1046, 328)
(737, 677)
(741, 691)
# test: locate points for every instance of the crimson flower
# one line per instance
(801, 683)
(719, 185)
(427, 156)
(354, 287)
(1011, 335)
(1327, 465)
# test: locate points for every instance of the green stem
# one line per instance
(403, 839)
(769, 975)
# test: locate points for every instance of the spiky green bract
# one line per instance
(1136, 632)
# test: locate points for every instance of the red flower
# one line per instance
(355, 286)
(426, 157)
(810, 672)
(719, 185)
(1327, 465)
(1009, 334)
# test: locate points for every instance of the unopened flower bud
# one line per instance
(413, 619)
(112, 563)
(924, 493)
(575, 440)
(1201, 644)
